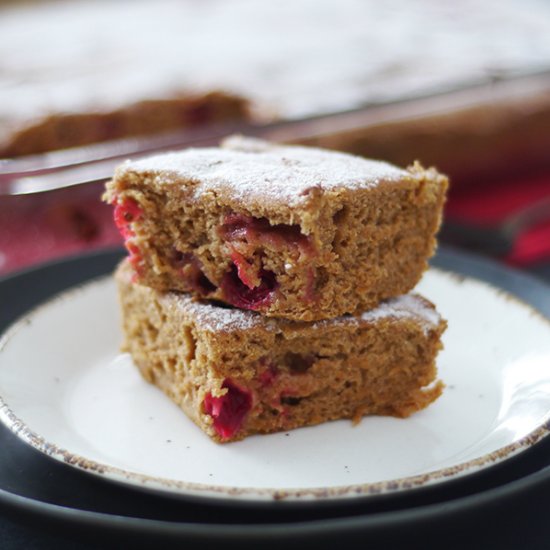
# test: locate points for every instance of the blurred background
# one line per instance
(462, 85)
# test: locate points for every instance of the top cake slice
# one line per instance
(292, 232)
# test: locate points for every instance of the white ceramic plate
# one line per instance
(67, 391)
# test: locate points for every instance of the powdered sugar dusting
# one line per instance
(220, 319)
(409, 306)
(254, 169)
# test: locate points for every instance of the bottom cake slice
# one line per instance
(236, 373)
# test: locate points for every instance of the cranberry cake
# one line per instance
(237, 373)
(292, 232)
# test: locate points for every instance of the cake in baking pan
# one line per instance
(71, 74)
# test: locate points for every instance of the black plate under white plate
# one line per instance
(43, 488)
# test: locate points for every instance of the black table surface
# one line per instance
(47, 505)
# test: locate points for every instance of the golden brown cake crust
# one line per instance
(291, 232)
(237, 373)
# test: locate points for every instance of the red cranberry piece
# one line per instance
(258, 231)
(198, 114)
(229, 410)
(281, 235)
(126, 212)
(246, 272)
(235, 226)
(240, 295)
(111, 127)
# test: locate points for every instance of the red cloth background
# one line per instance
(493, 202)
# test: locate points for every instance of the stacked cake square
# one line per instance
(266, 286)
